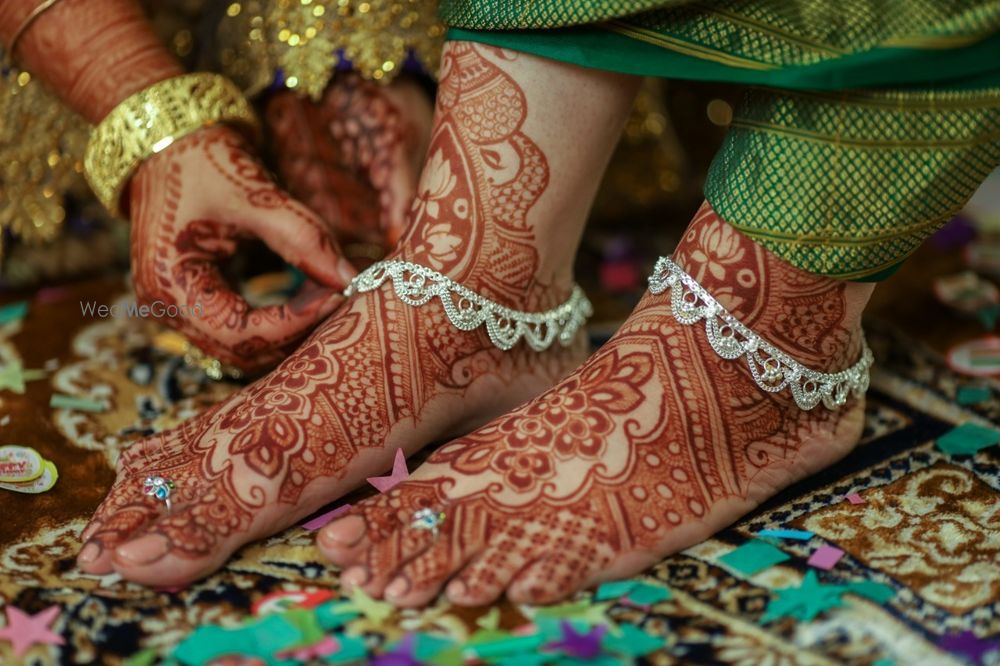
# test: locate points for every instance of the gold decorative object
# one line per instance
(305, 37)
(41, 146)
(152, 119)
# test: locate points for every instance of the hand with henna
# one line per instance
(354, 156)
(190, 204)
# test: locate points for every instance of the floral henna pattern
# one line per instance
(377, 371)
(652, 445)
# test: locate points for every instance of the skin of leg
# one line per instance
(651, 446)
(501, 202)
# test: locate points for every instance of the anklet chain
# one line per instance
(772, 369)
(415, 285)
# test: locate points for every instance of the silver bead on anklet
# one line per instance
(772, 369)
(415, 285)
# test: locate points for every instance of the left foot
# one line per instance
(653, 445)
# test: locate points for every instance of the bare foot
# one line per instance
(651, 446)
(379, 374)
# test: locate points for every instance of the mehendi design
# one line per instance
(378, 371)
(653, 444)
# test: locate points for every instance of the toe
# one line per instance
(185, 545)
(553, 577)
(345, 540)
(484, 580)
(122, 513)
(420, 580)
(383, 560)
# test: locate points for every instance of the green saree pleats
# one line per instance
(869, 124)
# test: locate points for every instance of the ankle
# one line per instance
(511, 274)
(815, 319)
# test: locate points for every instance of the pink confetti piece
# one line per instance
(322, 519)
(24, 630)
(855, 498)
(399, 472)
(825, 557)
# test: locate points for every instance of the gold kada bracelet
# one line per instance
(152, 119)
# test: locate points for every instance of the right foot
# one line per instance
(377, 376)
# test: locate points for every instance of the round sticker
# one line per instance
(979, 357)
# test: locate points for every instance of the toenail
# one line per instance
(89, 553)
(145, 550)
(397, 588)
(456, 589)
(345, 532)
(355, 576)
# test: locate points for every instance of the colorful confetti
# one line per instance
(399, 472)
(60, 401)
(825, 557)
(967, 439)
(23, 630)
(973, 395)
(754, 556)
(801, 535)
(804, 602)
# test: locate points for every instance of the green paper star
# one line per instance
(263, 638)
(645, 594)
(491, 620)
(334, 614)
(806, 601)
(12, 377)
(754, 556)
(13, 312)
(377, 612)
(632, 642)
(615, 589)
(305, 621)
(877, 592)
(967, 439)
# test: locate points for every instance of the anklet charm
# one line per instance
(772, 369)
(415, 285)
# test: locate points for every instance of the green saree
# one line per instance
(868, 123)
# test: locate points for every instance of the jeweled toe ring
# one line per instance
(427, 519)
(159, 488)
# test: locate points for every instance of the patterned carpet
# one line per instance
(929, 526)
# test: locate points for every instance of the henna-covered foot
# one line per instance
(652, 445)
(379, 374)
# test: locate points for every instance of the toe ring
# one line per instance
(159, 488)
(427, 519)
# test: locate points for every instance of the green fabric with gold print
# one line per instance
(869, 124)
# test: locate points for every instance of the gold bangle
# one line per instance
(152, 119)
(26, 23)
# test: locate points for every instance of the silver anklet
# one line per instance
(772, 369)
(415, 285)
